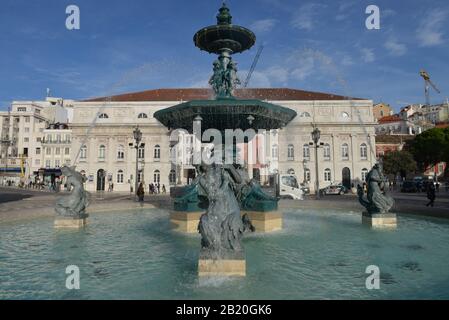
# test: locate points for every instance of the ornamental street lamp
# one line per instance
(316, 133)
(137, 134)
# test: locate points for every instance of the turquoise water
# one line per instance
(134, 255)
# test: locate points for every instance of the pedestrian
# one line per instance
(112, 186)
(163, 189)
(431, 195)
(438, 186)
(141, 193)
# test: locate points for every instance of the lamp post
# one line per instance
(316, 138)
(137, 138)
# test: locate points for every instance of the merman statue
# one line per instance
(73, 205)
(377, 201)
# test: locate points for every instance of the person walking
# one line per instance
(141, 193)
(163, 189)
(431, 195)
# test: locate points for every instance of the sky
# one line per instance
(133, 45)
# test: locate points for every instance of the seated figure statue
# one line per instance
(377, 201)
(75, 204)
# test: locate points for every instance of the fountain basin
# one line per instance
(320, 254)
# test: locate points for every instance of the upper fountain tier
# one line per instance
(224, 36)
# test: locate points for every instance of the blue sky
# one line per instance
(135, 45)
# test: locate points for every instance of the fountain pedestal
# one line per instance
(234, 265)
(70, 222)
(268, 221)
(186, 222)
(379, 220)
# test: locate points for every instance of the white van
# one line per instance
(289, 187)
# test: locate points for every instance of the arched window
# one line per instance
(83, 153)
(157, 176)
(345, 151)
(327, 151)
(172, 177)
(142, 116)
(141, 153)
(120, 152)
(102, 152)
(291, 171)
(157, 152)
(305, 115)
(274, 151)
(140, 176)
(363, 151)
(103, 116)
(120, 176)
(306, 151)
(306, 175)
(327, 175)
(364, 173)
(291, 152)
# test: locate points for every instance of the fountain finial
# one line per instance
(224, 16)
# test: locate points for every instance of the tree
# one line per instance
(430, 147)
(401, 162)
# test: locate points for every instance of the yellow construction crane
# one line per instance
(427, 84)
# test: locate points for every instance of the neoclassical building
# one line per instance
(102, 135)
(98, 138)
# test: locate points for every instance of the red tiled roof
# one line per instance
(442, 125)
(199, 94)
(393, 118)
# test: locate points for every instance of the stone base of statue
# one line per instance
(184, 221)
(233, 265)
(379, 220)
(62, 222)
(265, 221)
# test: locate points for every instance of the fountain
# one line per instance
(224, 190)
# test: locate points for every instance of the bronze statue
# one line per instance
(75, 204)
(377, 201)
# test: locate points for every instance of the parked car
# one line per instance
(334, 189)
(409, 186)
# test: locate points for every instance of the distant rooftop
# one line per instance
(387, 119)
(273, 94)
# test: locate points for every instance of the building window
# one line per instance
(66, 151)
(172, 177)
(142, 116)
(37, 162)
(364, 173)
(83, 154)
(306, 151)
(57, 151)
(274, 151)
(102, 152)
(306, 175)
(21, 109)
(103, 116)
(67, 162)
(363, 151)
(157, 176)
(48, 151)
(157, 152)
(291, 152)
(140, 176)
(141, 153)
(48, 163)
(120, 176)
(26, 139)
(121, 152)
(38, 139)
(327, 152)
(327, 175)
(38, 151)
(57, 163)
(27, 119)
(27, 130)
(345, 151)
(381, 113)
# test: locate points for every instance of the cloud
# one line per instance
(395, 48)
(367, 55)
(305, 17)
(429, 31)
(344, 9)
(264, 25)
